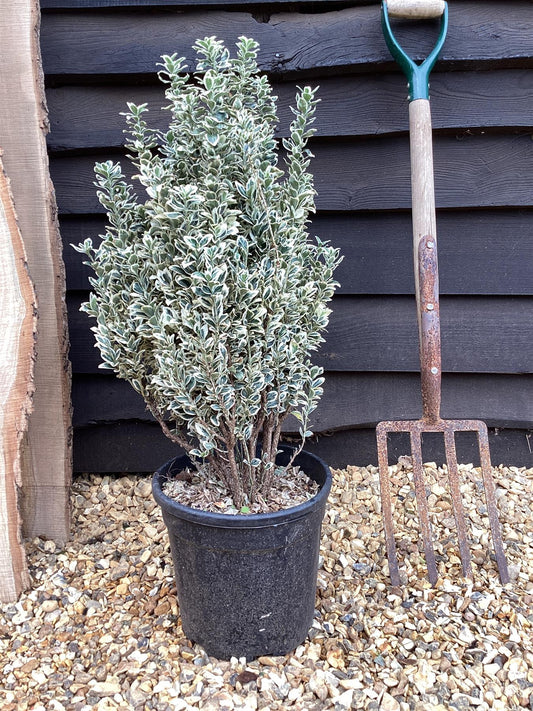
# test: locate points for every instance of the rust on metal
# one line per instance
(429, 320)
(430, 369)
(457, 502)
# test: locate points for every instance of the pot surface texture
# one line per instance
(246, 584)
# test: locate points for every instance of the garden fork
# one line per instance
(427, 299)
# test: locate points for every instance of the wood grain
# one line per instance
(481, 252)
(380, 333)
(86, 43)
(479, 335)
(509, 446)
(142, 447)
(18, 323)
(416, 9)
(350, 400)
(88, 117)
(46, 479)
(253, 4)
(422, 192)
(481, 94)
(473, 171)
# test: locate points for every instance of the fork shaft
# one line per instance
(429, 323)
(425, 256)
(422, 179)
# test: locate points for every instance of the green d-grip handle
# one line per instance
(417, 74)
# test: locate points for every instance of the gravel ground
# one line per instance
(101, 629)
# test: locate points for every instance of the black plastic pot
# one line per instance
(246, 584)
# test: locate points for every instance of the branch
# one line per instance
(177, 439)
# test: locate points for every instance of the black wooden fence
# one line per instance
(98, 54)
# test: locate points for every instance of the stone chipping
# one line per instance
(100, 628)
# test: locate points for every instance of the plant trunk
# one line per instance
(271, 439)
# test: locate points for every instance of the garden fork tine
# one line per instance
(427, 300)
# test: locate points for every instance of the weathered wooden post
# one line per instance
(18, 318)
(46, 472)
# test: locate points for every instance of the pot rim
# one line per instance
(261, 520)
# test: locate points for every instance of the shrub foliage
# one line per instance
(208, 294)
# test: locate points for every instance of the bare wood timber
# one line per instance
(18, 327)
(23, 122)
(416, 9)
(422, 184)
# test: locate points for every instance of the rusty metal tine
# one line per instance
(490, 496)
(386, 508)
(457, 502)
(422, 505)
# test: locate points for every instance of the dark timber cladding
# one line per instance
(98, 54)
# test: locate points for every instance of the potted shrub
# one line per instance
(210, 298)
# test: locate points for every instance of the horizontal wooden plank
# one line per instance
(484, 252)
(476, 171)
(87, 4)
(88, 117)
(349, 400)
(114, 433)
(142, 447)
(480, 252)
(88, 43)
(485, 335)
(510, 447)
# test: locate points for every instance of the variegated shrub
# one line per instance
(208, 294)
